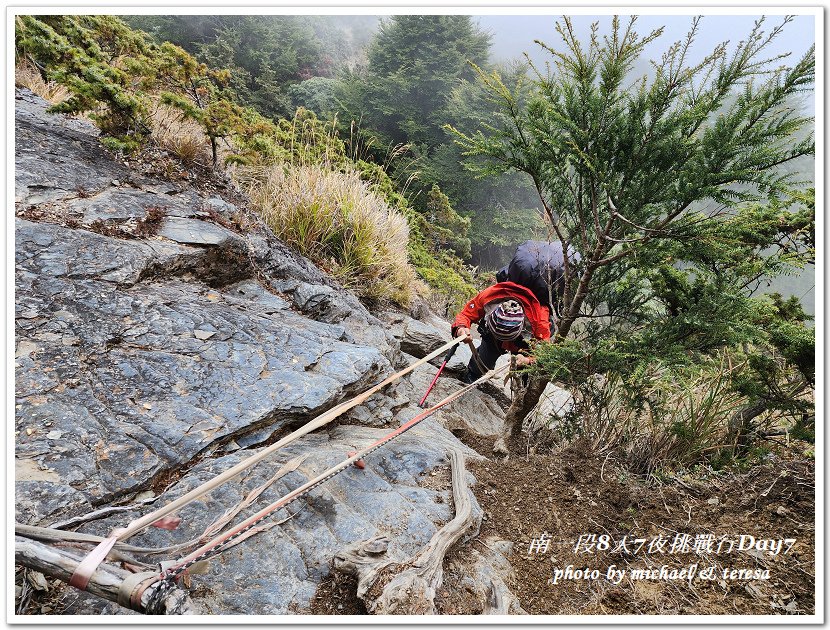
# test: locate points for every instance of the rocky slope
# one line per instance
(157, 345)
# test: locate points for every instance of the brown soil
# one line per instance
(336, 596)
(568, 494)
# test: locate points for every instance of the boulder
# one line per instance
(133, 356)
(554, 404)
(420, 338)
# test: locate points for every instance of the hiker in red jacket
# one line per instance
(508, 316)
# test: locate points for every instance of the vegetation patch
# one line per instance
(334, 219)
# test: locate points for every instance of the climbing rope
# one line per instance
(482, 368)
(81, 576)
(226, 540)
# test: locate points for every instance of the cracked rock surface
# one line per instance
(150, 362)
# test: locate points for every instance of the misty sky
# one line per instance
(514, 34)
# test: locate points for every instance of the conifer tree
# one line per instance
(675, 188)
(102, 62)
(199, 93)
(414, 63)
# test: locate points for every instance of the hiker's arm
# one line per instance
(524, 360)
(472, 312)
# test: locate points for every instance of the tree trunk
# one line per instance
(523, 403)
(106, 582)
(741, 423)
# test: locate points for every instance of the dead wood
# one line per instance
(106, 582)
(389, 585)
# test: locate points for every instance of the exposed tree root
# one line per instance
(388, 584)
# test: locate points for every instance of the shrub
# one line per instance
(450, 286)
(334, 218)
(105, 65)
(664, 414)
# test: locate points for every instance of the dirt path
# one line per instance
(568, 495)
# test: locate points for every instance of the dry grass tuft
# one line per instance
(27, 75)
(683, 418)
(183, 138)
(336, 220)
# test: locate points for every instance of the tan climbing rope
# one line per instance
(82, 574)
(230, 537)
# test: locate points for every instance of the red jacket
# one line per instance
(536, 314)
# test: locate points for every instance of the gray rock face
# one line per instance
(316, 296)
(476, 411)
(278, 570)
(162, 369)
(47, 152)
(133, 356)
(144, 356)
(195, 232)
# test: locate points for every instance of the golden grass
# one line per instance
(183, 138)
(28, 76)
(334, 219)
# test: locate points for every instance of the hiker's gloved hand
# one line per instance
(523, 361)
(465, 333)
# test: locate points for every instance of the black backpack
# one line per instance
(539, 266)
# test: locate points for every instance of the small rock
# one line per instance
(500, 448)
(38, 581)
(115, 182)
(203, 334)
(54, 435)
(754, 591)
(713, 501)
(782, 511)
(25, 348)
(143, 496)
